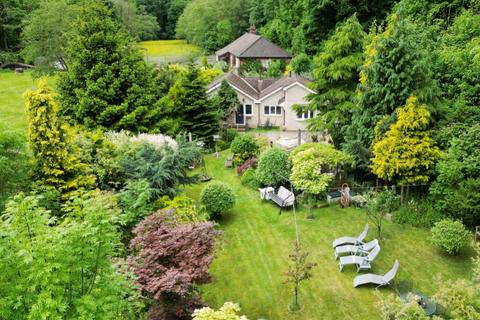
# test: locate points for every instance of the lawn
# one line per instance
(159, 51)
(12, 109)
(253, 257)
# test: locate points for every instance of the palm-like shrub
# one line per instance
(217, 197)
(244, 147)
(450, 236)
(273, 167)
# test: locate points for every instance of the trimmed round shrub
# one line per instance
(249, 179)
(450, 236)
(244, 147)
(217, 197)
(273, 167)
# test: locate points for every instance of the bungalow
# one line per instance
(251, 46)
(267, 102)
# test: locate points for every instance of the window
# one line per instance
(305, 115)
(248, 109)
(272, 110)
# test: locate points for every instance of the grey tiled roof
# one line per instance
(258, 88)
(252, 45)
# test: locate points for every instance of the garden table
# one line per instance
(427, 304)
(265, 193)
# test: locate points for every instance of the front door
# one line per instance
(239, 115)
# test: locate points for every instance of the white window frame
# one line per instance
(245, 109)
(274, 109)
(306, 115)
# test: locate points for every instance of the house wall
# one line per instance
(295, 95)
(287, 120)
(272, 120)
(251, 120)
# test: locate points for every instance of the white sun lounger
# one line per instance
(351, 240)
(376, 279)
(362, 263)
(356, 250)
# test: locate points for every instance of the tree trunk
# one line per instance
(295, 301)
(401, 194)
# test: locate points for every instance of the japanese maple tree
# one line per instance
(170, 258)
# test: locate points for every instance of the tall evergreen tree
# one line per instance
(394, 68)
(321, 17)
(191, 105)
(226, 101)
(336, 76)
(108, 84)
(55, 164)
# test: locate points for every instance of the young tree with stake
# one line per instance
(298, 271)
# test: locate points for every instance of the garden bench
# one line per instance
(229, 161)
(283, 198)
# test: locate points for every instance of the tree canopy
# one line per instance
(336, 74)
(107, 85)
(406, 153)
(395, 68)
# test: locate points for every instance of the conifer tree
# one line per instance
(336, 76)
(191, 105)
(226, 101)
(406, 153)
(108, 84)
(55, 164)
(394, 69)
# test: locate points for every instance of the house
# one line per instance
(267, 102)
(251, 46)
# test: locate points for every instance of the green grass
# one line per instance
(252, 258)
(12, 108)
(262, 130)
(168, 50)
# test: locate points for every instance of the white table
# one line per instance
(265, 193)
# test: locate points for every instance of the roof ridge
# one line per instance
(258, 38)
(271, 84)
(244, 80)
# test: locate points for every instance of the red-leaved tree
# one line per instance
(168, 259)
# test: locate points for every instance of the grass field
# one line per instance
(12, 109)
(168, 50)
(251, 262)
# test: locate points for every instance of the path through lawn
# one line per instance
(250, 264)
